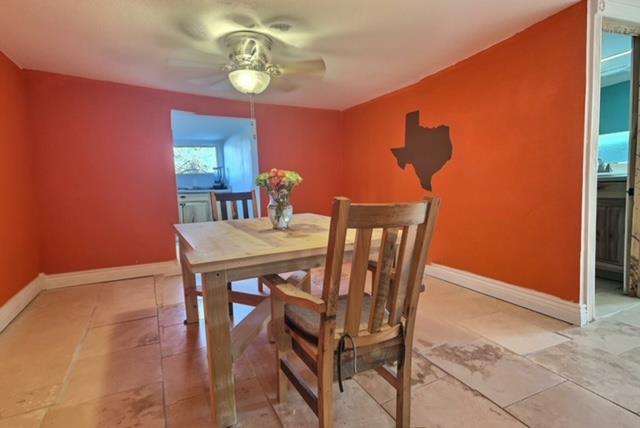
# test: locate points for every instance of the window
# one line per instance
(196, 160)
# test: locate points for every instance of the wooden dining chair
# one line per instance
(235, 206)
(337, 336)
(226, 206)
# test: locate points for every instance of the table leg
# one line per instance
(189, 285)
(222, 390)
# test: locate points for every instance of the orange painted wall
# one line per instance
(105, 165)
(511, 195)
(19, 261)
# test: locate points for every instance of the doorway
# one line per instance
(211, 154)
(615, 175)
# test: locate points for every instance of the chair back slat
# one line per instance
(335, 254)
(401, 275)
(383, 277)
(245, 208)
(357, 279)
(230, 205)
(424, 236)
(407, 231)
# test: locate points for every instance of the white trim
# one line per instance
(590, 159)
(19, 301)
(622, 10)
(571, 312)
(93, 276)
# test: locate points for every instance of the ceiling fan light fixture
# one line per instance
(248, 81)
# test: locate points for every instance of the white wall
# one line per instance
(240, 163)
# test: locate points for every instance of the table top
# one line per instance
(239, 243)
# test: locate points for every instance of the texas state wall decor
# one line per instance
(427, 149)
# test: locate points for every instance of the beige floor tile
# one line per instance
(355, 408)
(498, 374)
(180, 338)
(448, 403)
(185, 375)
(515, 330)
(125, 301)
(193, 412)
(631, 356)
(253, 409)
(25, 420)
(611, 336)
(175, 314)
(35, 359)
(422, 373)
(117, 337)
(16, 399)
(172, 315)
(430, 332)
(459, 305)
(139, 407)
(169, 290)
(435, 286)
(629, 316)
(118, 377)
(596, 370)
(569, 406)
(106, 315)
(102, 375)
(610, 299)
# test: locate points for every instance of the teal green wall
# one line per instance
(614, 107)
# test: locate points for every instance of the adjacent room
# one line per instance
(364, 213)
(615, 149)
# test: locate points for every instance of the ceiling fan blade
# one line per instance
(221, 85)
(243, 20)
(314, 67)
(283, 84)
(195, 29)
(209, 80)
(174, 62)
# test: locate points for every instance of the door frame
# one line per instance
(618, 12)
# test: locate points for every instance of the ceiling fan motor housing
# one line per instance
(250, 50)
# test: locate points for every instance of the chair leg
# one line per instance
(230, 302)
(283, 344)
(325, 376)
(260, 286)
(403, 393)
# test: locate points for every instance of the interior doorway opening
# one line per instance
(212, 154)
(614, 284)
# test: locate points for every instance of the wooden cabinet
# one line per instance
(610, 227)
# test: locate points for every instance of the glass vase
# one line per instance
(280, 210)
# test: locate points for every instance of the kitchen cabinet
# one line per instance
(610, 228)
(194, 207)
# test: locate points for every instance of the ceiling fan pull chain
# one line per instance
(252, 107)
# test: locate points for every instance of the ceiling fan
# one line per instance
(252, 61)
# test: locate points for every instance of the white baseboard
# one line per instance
(93, 276)
(19, 301)
(571, 312)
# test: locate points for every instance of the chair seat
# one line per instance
(307, 323)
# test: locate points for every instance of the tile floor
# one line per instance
(609, 298)
(118, 355)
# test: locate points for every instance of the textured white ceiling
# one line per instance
(370, 47)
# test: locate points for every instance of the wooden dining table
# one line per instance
(224, 251)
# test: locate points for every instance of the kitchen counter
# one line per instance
(203, 190)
